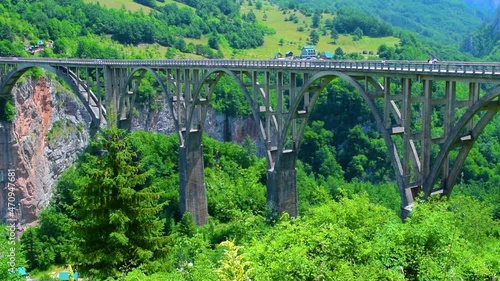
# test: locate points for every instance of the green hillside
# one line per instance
(294, 40)
(271, 16)
(444, 22)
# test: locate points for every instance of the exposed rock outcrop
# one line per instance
(161, 121)
(50, 130)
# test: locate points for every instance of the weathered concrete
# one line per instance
(192, 192)
(282, 186)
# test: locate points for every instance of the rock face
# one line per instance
(50, 130)
(233, 129)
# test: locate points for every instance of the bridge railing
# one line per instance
(407, 66)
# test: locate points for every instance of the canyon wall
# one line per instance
(50, 130)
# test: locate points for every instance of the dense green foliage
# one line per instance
(346, 231)
(104, 215)
(112, 207)
(445, 22)
(70, 24)
(484, 42)
(7, 110)
(348, 20)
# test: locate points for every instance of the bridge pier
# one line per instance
(282, 186)
(192, 193)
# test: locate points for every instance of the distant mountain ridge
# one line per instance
(443, 22)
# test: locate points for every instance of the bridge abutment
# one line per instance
(192, 193)
(282, 186)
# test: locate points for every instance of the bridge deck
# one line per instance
(446, 69)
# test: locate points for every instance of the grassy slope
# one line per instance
(295, 40)
(286, 30)
(131, 5)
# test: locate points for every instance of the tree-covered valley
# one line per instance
(114, 214)
(117, 217)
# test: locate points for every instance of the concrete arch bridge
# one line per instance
(282, 94)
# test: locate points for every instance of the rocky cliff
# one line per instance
(50, 130)
(216, 126)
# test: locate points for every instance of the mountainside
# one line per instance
(445, 22)
(485, 42)
(483, 4)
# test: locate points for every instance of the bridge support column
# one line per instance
(192, 192)
(282, 186)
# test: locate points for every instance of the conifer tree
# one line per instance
(117, 227)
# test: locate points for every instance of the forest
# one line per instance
(436, 22)
(115, 214)
(116, 217)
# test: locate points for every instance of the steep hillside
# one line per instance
(446, 21)
(172, 29)
(485, 43)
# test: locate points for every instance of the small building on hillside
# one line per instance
(289, 54)
(278, 55)
(326, 56)
(64, 276)
(308, 52)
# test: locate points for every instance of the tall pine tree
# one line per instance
(117, 227)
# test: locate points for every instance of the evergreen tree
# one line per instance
(316, 18)
(314, 36)
(117, 225)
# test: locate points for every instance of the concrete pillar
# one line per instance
(282, 186)
(192, 192)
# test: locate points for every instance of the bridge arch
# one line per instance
(486, 104)
(220, 72)
(64, 73)
(324, 78)
(165, 91)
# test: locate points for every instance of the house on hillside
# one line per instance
(326, 56)
(308, 52)
(278, 55)
(289, 54)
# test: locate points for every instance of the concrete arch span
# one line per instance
(219, 73)
(258, 99)
(490, 105)
(85, 95)
(188, 112)
(133, 81)
(312, 86)
(187, 93)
